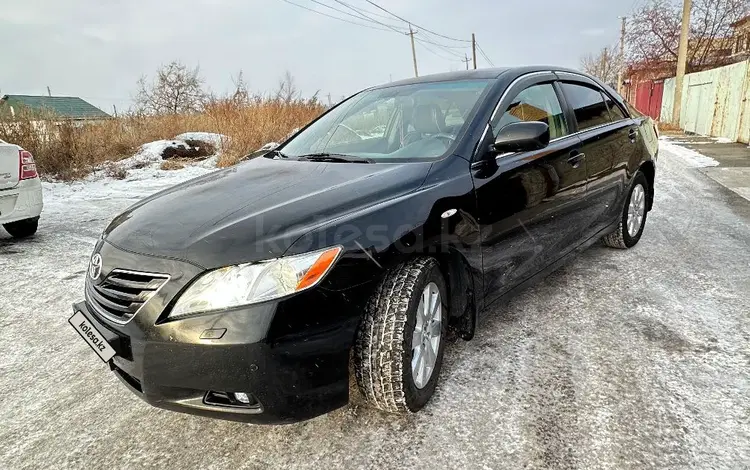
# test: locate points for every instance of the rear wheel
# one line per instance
(22, 228)
(399, 347)
(633, 218)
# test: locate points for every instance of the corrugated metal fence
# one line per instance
(714, 102)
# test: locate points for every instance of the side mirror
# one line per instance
(521, 137)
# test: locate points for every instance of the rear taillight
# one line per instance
(28, 167)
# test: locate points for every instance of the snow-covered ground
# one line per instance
(689, 157)
(622, 359)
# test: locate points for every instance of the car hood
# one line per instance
(255, 210)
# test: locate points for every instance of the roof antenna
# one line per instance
(49, 93)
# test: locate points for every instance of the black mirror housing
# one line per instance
(522, 137)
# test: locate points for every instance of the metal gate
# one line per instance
(648, 96)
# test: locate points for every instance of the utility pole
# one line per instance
(681, 61)
(49, 92)
(411, 33)
(466, 61)
(474, 49)
(621, 59)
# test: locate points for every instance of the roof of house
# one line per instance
(68, 107)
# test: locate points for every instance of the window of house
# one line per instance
(536, 103)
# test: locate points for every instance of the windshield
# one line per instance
(419, 121)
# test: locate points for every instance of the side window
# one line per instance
(536, 103)
(615, 113)
(588, 105)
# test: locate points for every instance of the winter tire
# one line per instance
(633, 218)
(400, 343)
(22, 228)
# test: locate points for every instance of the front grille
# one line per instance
(119, 297)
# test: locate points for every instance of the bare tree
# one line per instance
(287, 91)
(604, 65)
(654, 31)
(241, 94)
(175, 89)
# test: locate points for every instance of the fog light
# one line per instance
(242, 397)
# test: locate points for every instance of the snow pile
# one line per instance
(691, 158)
(150, 157)
(212, 138)
(134, 177)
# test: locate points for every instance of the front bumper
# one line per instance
(292, 355)
(291, 379)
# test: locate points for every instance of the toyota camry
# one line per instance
(403, 213)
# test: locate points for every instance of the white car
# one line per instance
(20, 191)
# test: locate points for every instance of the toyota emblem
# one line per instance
(95, 267)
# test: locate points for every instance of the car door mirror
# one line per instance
(521, 137)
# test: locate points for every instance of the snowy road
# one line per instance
(620, 360)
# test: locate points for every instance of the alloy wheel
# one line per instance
(427, 332)
(636, 210)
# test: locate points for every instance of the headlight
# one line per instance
(246, 284)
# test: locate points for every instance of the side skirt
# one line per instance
(541, 275)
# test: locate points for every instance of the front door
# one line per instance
(528, 202)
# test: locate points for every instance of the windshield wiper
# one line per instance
(334, 157)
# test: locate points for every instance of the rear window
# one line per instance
(588, 104)
(614, 110)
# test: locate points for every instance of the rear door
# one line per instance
(529, 202)
(9, 166)
(603, 133)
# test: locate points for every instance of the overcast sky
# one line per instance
(97, 49)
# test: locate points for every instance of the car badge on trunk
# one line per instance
(95, 267)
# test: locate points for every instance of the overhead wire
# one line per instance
(481, 51)
(415, 24)
(334, 17)
(444, 47)
(339, 10)
(364, 19)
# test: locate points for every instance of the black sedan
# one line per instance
(404, 212)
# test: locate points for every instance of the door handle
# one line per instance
(576, 159)
(633, 135)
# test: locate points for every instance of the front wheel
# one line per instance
(22, 228)
(400, 343)
(633, 218)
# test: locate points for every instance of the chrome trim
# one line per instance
(575, 134)
(107, 316)
(507, 90)
(502, 97)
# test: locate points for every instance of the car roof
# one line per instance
(480, 74)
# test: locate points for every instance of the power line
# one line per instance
(444, 47)
(364, 16)
(354, 9)
(433, 52)
(427, 41)
(334, 17)
(338, 10)
(481, 51)
(416, 25)
(364, 19)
